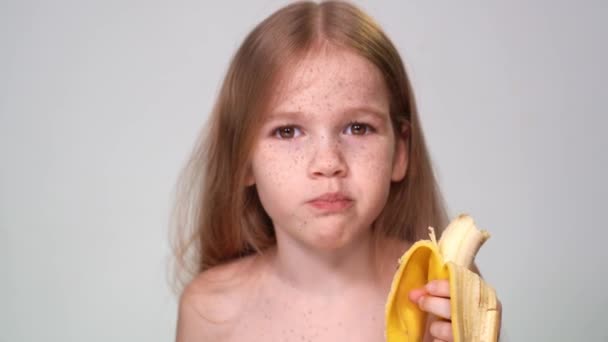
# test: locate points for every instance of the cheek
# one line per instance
(274, 171)
(274, 166)
(371, 169)
(374, 160)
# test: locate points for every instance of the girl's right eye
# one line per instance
(287, 132)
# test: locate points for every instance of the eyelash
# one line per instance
(277, 131)
(368, 128)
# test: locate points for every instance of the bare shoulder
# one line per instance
(212, 301)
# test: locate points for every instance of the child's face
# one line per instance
(328, 134)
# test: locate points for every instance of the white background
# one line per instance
(101, 101)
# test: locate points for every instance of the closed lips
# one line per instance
(332, 197)
(331, 202)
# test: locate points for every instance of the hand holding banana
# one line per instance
(434, 298)
(435, 295)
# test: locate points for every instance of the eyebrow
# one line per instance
(290, 115)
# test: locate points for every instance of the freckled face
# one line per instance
(326, 155)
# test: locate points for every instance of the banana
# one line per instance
(474, 305)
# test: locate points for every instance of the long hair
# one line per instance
(217, 218)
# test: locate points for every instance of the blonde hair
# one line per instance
(217, 217)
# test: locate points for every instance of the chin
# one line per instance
(334, 238)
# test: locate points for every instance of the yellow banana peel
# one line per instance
(474, 306)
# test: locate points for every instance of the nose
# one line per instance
(327, 160)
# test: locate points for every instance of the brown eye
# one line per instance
(286, 132)
(356, 128)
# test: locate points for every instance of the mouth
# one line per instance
(331, 202)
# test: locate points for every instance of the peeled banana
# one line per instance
(474, 306)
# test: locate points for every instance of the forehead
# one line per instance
(328, 81)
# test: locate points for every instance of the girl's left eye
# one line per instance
(357, 128)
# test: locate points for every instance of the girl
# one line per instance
(311, 179)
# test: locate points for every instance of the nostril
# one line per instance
(327, 161)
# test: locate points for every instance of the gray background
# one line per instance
(100, 103)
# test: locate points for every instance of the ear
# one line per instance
(401, 156)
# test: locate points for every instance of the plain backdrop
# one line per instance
(101, 101)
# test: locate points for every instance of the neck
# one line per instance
(325, 272)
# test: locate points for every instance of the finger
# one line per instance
(435, 305)
(415, 294)
(439, 288)
(442, 330)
